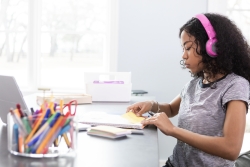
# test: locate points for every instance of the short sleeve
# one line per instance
(237, 90)
(184, 90)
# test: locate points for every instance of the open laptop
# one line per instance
(10, 95)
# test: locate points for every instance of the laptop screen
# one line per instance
(10, 96)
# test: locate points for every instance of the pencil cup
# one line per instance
(31, 136)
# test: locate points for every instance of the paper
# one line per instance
(132, 117)
(127, 120)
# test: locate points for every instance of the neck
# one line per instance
(208, 79)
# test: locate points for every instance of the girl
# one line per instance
(211, 107)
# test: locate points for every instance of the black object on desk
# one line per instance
(139, 92)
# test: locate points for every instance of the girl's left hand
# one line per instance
(162, 122)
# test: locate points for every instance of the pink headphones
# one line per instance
(210, 45)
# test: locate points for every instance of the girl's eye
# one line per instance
(186, 49)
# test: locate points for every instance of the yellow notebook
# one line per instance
(127, 120)
(132, 117)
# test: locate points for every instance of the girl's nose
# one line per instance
(184, 55)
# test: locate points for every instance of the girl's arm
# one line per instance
(227, 147)
(170, 109)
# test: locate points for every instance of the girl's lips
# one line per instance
(187, 65)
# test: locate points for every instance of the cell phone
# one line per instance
(136, 92)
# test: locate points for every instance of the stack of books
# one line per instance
(108, 131)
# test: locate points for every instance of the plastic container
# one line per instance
(108, 86)
(59, 138)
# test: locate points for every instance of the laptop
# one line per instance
(10, 96)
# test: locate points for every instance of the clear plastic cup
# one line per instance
(34, 137)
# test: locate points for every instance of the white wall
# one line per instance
(149, 47)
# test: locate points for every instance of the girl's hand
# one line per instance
(140, 107)
(162, 122)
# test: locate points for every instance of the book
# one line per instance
(127, 120)
(108, 131)
(80, 98)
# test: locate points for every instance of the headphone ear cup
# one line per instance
(211, 48)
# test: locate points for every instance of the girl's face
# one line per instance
(191, 59)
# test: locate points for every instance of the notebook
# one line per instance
(10, 95)
(127, 120)
(108, 131)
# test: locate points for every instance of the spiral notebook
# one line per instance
(127, 120)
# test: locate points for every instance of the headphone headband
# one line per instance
(210, 46)
(207, 25)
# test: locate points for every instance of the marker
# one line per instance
(18, 106)
(49, 123)
(26, 124)
(15, 137)
(57, 125)
(45, 117)
(32, 111)
(65, 124)
(20, 143)
(42, 136)
(45, 132)
(64, 130)
(61, 106)
(51, 106)
(36, 126)
(18, 121)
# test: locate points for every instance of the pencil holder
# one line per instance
(32, 136)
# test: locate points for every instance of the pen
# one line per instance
(32, 111)
(151, 113)
(42, 136)
(51, 106)
(64, 130)
(64, 134)
(50, 133)
(26, 124)
(18, 106)
(65, 124)
(37, 116)
(61, 106)
(36, 126)
(18, 121)
(49, 123)
(15, 137)
(20, 143)
(45, 117)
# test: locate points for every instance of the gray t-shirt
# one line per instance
(203, 110)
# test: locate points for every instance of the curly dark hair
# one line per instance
(231, 47)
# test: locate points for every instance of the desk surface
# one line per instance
(131, 151)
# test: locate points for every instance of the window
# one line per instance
(51, 43)
(236, 10)
(239, 11)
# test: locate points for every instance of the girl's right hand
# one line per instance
(140, 108)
